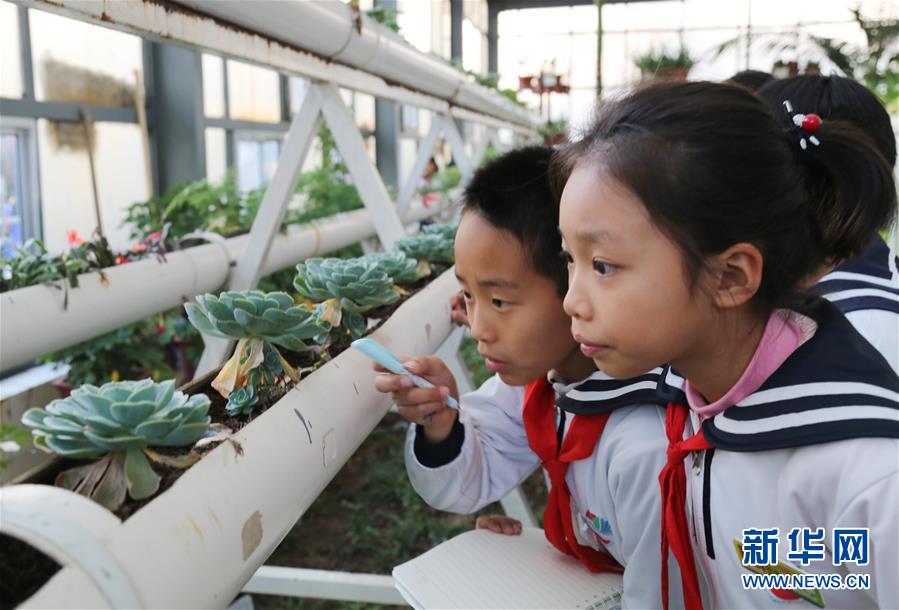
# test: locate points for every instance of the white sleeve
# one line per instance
(877, 508)
(634, 453)
(494, 457)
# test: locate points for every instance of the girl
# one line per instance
(687, 226)
(863, 285)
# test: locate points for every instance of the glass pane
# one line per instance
(213, 86)
(297, 92)
(253, 93)
(270, 152)
(414, 19)
(10, 58)
(11, 195)
(79, 62)
(583, 61)
(257, 160)
(364, 106)
(472, 45)
(249, 168)
(216, 154)
(66, 194)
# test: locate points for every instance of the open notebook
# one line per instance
(480, 569)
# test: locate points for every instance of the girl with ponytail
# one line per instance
(690, 219)
(864, 284)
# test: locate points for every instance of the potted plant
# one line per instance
(257, 372)
(118, 423)
(433, 246)
(662, 65)
(344, 289)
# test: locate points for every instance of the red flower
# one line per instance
(120, 260)
(139, 247)
(154, 236)
(160, 328)
(73, 238)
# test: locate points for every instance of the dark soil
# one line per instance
(23, 570)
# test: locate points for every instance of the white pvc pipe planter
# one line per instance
(317, 39)
(333, 30)
(199, 542)
(33, 321)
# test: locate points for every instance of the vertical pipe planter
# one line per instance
(200, 541)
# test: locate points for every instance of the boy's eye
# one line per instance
(603, 268)
(466, 295)
(566, 256)
(499, 303)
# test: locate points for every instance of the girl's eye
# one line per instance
(603, 268)
(566, 256)
(499, 303)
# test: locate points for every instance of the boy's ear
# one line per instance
(736, 275)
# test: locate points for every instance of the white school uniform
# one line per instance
(614, 492)
(866, 290)
(815, 446)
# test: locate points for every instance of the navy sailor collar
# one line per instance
(869, 281)
(599, 393)
(835, 386)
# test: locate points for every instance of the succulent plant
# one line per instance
(400, 268)
(347, 287)
(119, 422)
(259, 321)
(253, 314)
(435, 248)
(446, 230)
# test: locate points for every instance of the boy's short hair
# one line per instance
(751, 79)
(513, 193)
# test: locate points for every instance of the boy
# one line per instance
(602, 453)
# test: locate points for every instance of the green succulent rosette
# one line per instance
(399, 267)
(258, 321)
(346, 289)
(119, 422)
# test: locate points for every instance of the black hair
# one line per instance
(751, 79)
(715, 167)
(513, 193)
(839, 98)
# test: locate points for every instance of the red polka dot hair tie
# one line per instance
(806, 125)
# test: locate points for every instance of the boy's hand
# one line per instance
(499, 524)
(458, 311)
(424, 406)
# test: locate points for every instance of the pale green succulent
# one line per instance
(356, 285)
(119, 420)
(400, 268)
(446, 230)
(259, 321)
(435, 248)
(253, 314)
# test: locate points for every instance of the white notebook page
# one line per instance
(480, 569)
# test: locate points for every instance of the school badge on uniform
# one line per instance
(599, 526)
(812, 596)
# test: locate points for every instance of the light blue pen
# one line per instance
(389, 361)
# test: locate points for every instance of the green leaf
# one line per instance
(142, 481)
(132, 413)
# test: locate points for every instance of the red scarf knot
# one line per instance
(579, 443)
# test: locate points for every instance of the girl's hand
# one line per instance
(499, 524)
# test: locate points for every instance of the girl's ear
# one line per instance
(736, 275)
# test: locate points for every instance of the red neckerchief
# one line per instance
(673, 482)
(579, 443)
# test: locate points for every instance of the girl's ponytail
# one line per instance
(848, 182)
